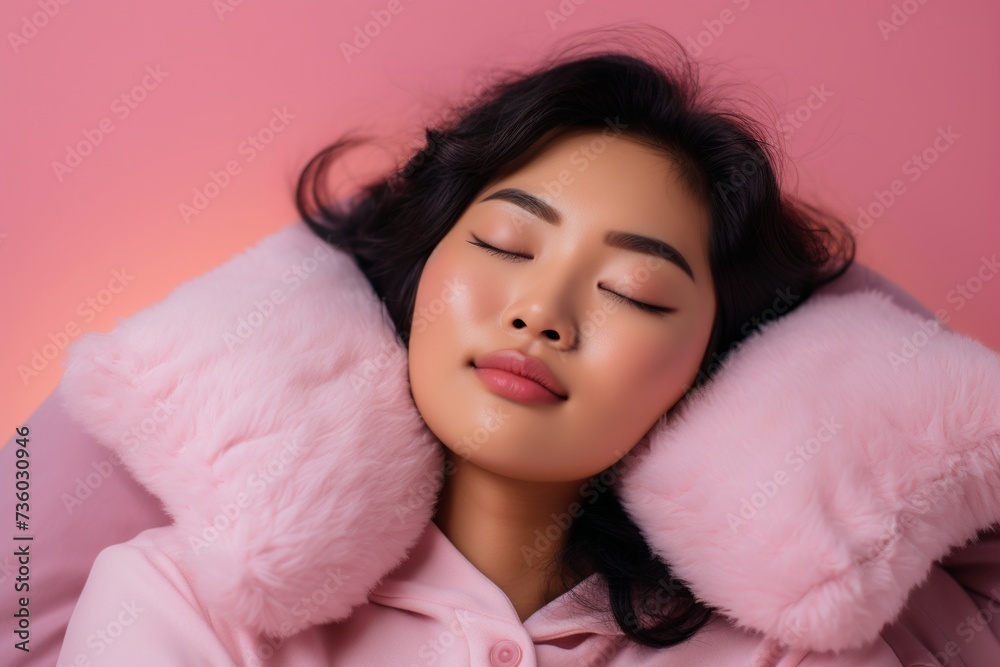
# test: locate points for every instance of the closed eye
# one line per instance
(649, 308)
(497, 251)
(515, 257)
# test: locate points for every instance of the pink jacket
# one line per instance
(266, 404)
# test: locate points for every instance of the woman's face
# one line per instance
(620, 367)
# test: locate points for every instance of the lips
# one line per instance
(524, 366)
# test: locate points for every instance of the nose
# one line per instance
(543, 313)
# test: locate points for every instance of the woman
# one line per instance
(565, 262)
(592, 147)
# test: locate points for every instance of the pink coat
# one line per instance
(266, 404)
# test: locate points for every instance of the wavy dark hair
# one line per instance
(764, 243)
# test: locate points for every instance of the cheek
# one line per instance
(451, 296)
(450, 299)
(457, 313)
(641, 379)
(670, 366)
(652, 366)
(661, 382)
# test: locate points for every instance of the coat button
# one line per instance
(505, 653)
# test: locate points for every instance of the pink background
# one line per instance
(63, 237)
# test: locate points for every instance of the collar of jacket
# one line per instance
(803, 492)
(438, 581)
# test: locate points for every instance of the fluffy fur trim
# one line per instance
(266, 403)
(831, 460)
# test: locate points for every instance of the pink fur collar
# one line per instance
(805, 491)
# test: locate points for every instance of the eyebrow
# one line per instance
(616, 239)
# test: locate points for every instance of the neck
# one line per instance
(505, 528)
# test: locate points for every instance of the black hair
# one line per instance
(764, 243)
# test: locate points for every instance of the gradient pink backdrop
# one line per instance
(223, 73)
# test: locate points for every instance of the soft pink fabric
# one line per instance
(286, 368)
(953, 618)
(82, 501)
